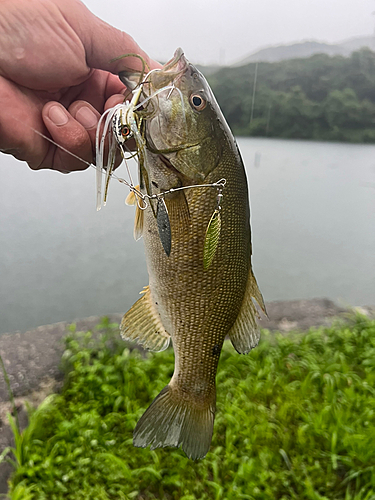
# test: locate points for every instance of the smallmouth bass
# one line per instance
(198, 251)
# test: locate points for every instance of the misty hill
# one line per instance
(208, 70)
(307, 49)
(320, 97)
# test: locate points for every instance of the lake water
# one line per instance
(313, 224)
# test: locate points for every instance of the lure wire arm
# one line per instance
(219, 185)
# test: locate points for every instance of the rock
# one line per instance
(300, 314)
(35, 355)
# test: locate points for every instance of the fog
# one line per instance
(218, 31)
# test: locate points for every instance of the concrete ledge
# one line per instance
(35, 355)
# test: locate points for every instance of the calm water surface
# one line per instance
(313, 224)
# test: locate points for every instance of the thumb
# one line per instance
(104, 43)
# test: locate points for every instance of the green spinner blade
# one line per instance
(212, 239)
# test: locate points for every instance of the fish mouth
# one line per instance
(178, 62)
(171, 72)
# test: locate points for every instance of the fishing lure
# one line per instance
(121, 123)
(118, 125)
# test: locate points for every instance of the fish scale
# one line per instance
(197, 307)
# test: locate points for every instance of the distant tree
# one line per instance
(320, 97)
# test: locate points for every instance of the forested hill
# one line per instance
(322, 97)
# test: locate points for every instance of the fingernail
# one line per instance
(86, 117)
(58, 115)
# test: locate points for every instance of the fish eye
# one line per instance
(197, 102)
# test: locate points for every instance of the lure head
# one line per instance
(120, 124)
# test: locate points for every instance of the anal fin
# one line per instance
(142, 324)
(245, 333)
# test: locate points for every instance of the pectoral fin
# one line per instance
(179, 214)
(245, 332)
(142, 324)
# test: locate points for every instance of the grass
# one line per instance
(295, 420)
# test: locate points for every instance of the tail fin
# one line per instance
(171, 420)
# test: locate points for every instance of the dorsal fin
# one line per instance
(245, 333)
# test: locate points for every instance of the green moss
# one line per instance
(295, 420)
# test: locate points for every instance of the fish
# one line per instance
(197, 239)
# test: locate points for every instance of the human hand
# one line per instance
(56, 77)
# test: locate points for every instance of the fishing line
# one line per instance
(219, 184)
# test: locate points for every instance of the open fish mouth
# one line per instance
(178, 60)
(176, 67)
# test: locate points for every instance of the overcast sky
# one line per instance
(213, 31)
